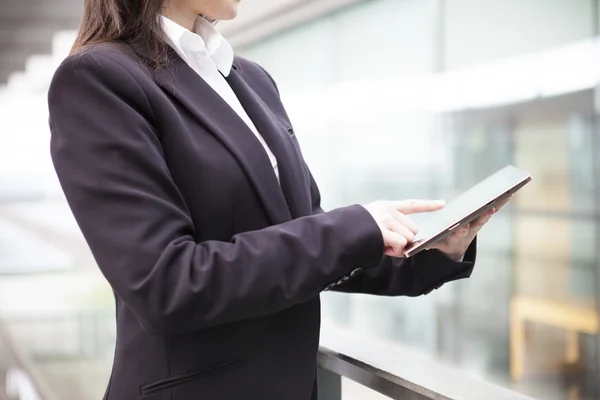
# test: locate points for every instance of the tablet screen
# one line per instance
(477, 199)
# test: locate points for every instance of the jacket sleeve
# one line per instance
(111, 167)
(415, 276)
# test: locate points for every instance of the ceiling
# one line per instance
(27, 26)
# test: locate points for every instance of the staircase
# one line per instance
(27, 27)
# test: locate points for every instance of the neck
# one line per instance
(185, 18)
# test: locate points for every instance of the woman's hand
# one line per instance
(455, 245)
(397, 229)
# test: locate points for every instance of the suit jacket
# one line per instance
(216, 268)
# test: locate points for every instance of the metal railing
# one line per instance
(396, 373)
(22, 381)
(385, 369)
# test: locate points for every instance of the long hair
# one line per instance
(133, 20)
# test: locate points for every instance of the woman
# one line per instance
(183, 171)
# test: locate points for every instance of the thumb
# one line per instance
(418, 206)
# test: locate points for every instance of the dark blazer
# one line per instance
(215, 267)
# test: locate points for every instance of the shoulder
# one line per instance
(107, 73)
(111, 66)
(119, 52)
(252, 70)
(103, 62)
(246, 65)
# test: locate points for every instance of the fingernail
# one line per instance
(442, 202)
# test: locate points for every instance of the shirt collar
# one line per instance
(204, 39)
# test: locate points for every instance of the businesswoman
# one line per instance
(185, 175)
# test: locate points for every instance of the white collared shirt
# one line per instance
(211, 57)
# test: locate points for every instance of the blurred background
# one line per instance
(390, 99)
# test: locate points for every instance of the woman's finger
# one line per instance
(503, 203)
(395, 242)
(389, 251)
(482, 220)
(400, 229)
(462, 232)
(418, 206)
(406, 221)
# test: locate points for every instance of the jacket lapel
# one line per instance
(182, 83)
(292, 170)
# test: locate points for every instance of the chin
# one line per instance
(229, 14)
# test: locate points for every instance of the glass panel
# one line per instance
(384, 38)
(55, 304)
(581, 137)
(540, 149)
(539, 255)
(310, 48)
(480, 31)
(486, 143)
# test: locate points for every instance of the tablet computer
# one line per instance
(467, 207)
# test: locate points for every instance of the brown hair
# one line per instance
(133, 20)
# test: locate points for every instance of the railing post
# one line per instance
(329, 384)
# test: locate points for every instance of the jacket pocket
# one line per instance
(172, 382)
